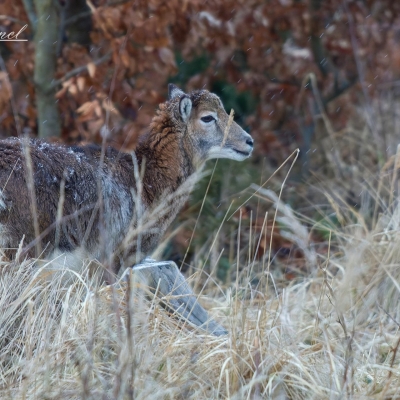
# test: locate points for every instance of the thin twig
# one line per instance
(77, 17)
(78, 70)
(30, 11)
(388, 315)
(85, 14)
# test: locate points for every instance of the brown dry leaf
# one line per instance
(95, 125)
(86, 108)
(112, 18)
(5, 91)
(91, 67)
(109, 105)
(61, 93)
(80, 82)
(97, 109)
(73, 89)
(125, 59)
(167, 56)
(67, 83)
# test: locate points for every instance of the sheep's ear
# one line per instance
(174, 91)
(185, 108)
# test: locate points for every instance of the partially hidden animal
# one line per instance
(93, 202)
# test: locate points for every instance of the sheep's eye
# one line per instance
(208, 118)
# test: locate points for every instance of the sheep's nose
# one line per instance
(250, 142)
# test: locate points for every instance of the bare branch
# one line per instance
(78, 70)
(30, 11)
(77, 17)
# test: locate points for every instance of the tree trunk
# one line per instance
(46, 36)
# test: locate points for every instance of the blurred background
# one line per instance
(321, 76)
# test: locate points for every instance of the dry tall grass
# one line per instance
(333, 334)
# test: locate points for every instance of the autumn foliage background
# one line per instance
(256, 54)
(296, 73)
(297, 253)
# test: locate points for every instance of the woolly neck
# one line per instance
(167, 160)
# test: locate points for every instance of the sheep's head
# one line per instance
(203, 122)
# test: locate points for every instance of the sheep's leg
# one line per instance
(177, 296)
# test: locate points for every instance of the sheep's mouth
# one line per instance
(243, 153)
